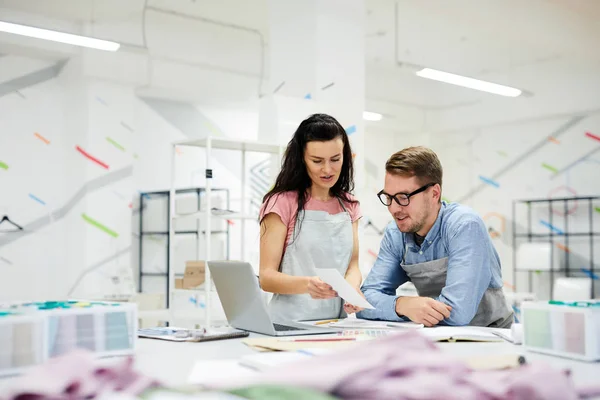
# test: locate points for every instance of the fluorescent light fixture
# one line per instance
(371, 116)
(58, 36)
(468, 82)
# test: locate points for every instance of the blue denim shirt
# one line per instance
(473, 264)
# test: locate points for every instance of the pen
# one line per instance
(326, 321)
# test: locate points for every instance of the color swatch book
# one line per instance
(33, 332)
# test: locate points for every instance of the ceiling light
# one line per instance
(371, 116)
(58, 36)
(468, 82)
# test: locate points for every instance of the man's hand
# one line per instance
(350, 309)
(319, 289)
(422, 310)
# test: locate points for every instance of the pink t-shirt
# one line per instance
(285, 205)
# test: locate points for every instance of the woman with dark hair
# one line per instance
(309, 220)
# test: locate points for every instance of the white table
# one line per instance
(171, 363)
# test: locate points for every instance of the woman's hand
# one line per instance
(319, 289)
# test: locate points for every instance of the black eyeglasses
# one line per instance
(402, 199)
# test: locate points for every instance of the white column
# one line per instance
(316, 64)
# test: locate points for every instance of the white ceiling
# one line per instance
(487, 39)
(540, 46)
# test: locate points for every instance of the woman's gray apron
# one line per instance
(429, 279)
(322, 241)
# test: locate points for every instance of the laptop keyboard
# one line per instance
(283, 328)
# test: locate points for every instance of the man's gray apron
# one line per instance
(429, 279)
(323, 241)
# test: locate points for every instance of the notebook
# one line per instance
(460, 334)
(174, 334)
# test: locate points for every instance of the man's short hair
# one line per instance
(416, 161)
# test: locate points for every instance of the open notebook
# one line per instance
(191, 335)
(460, 334)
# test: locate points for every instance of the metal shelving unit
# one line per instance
(208, 144)
(148, 196)
(555, 234)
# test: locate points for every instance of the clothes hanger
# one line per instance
(5, 218)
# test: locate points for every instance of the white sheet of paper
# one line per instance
(342, 287)
(215, 372)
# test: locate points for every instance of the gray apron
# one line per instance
(323, 241)
(429, 279)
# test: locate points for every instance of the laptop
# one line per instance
(241, 298)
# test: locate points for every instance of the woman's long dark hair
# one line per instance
(293, 175)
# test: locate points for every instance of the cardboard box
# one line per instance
(194, 274)
(178, 283)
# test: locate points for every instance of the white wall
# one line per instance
(133, 143)
(527, 164)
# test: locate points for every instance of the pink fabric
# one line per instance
(410, 366)
(76, 375)
(285, 205)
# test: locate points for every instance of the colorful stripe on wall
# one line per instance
(552, 227)
(91, 158)
(589, 273)
(553, 140)
(119, 195)
(43, 139)
(114, 143)
(592, 136)
(550, 168)
(124, 125)
(6, 261)
(3, 165)
(278, 87)
(489, 181)
(563, 247)
(351, 129)
(35, 198)
(98, 225)
(597, 209)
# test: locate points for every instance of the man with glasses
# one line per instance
(443, 249)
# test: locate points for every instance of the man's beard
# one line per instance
(416, 226)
